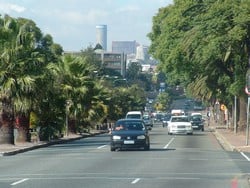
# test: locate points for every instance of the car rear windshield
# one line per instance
(129, 126)
(196, 117)
(134, 116)
(180, 119)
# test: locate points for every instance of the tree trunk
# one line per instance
(22, 125)
(6, 130)
(242, 114)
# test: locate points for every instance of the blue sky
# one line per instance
(72, 22)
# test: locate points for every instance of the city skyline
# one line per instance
(73, 25)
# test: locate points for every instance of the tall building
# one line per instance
(101, 36)
(142, 53)
(126, 47)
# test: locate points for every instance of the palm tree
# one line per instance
(76, 83)
(23, 61)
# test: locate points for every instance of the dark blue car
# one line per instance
(128, 134)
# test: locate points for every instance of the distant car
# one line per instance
(148, 121)
(158, 117)
(180, 125)
(134, 115)
(197, 121)
(165, 120)
(128, 134)
(198, 107)
(178, 112)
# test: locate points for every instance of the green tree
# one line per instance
(76, 82)
(133, 72)
(24, 58)
(204, 45)
(164, 99)
(125, 99)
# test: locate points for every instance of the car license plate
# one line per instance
(195, 126)
(181, 127)
(129, 141)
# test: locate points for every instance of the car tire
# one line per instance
(112, 148)
(147, 147)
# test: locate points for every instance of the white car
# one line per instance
(180, 125)
(134, 115)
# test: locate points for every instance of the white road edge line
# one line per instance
(244, 155)
(135, 181)
(166, 146)
(20, 181)
(100, 147)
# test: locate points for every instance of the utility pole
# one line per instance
(247, 91)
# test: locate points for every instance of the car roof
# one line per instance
(178, 116)
(134, 112)
(129, 119)
(193, 114)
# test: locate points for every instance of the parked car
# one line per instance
(148, 121)
(197, 121)
(180, 125)
(129, 133)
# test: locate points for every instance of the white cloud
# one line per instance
(8, 8)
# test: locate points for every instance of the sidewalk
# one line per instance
(10, 149)
(230, 140)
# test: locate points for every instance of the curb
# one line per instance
(222, 140)
(61, 141)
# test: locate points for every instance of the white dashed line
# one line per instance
(244, 155)
(20, 181)
(167, 145)
(135, 181)
(100, 147)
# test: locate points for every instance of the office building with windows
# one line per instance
(114, 61)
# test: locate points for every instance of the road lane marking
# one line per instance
(100, 147)
(20, 181)
(166, 146)
(244, 155)
(135, 181)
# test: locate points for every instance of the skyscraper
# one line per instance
(101, 36)
(142, 52)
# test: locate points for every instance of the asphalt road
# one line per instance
(174, 161)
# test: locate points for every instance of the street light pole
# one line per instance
(247, 91)
(235, 114)
(235, 110)
(247, 130)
